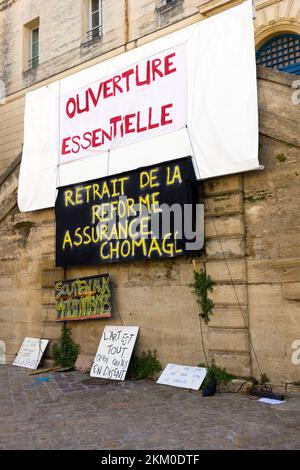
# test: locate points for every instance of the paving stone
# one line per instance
(68, 413)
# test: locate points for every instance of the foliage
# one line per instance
(281, 158)
(264, 379)
(201, 286)
(144, 366)
(220, 374)
(260, 195)
(65, 352)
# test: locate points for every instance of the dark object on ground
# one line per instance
(266, 394)
(218, 373)
(95, 381)
(211, 388)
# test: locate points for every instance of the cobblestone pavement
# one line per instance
(66, 413)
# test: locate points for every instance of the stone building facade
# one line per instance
(252, 242)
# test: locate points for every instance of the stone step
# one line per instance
(229, 294)
(223, 185)
(224, 204)
(231, 247)
(228, 340)
(229, 317)
(224, 226)
(227, 271)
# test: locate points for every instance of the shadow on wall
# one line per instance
(2, 352)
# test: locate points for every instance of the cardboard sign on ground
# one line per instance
(114, 352)
(31, 352)
(182, 376)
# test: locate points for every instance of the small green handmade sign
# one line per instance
(83, 299)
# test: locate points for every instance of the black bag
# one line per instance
(211, 388)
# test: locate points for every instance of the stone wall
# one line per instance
(272, 223)
(252, 247)
(252, 251)
(63, 33)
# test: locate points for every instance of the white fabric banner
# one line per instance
(139, 102)
(213, 116)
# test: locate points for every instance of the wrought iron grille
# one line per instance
(281, 53)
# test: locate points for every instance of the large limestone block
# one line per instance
(264, 294)
(260, 271)
(226, 271)
(187, 270)
(118, 272)
(48, 296)
(229, 317)
(52, 330)
(222, 205)
(50, 277)
(235, 294)
(223, 185)
(48, 261)
(225, 226)
(235, 363)
(154, 273)
(6, 282)
(291, 291)
(229, 339)
(226, 247)
(47, 313)
(291, 272)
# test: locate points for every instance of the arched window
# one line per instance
(281, 53)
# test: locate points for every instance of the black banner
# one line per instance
(149, 213)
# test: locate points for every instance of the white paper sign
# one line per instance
(141, 101)
(182, 376)
(31, 352)
(114, 352)
(271, 401)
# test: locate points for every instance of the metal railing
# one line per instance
(33, 62)
(95, 33)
